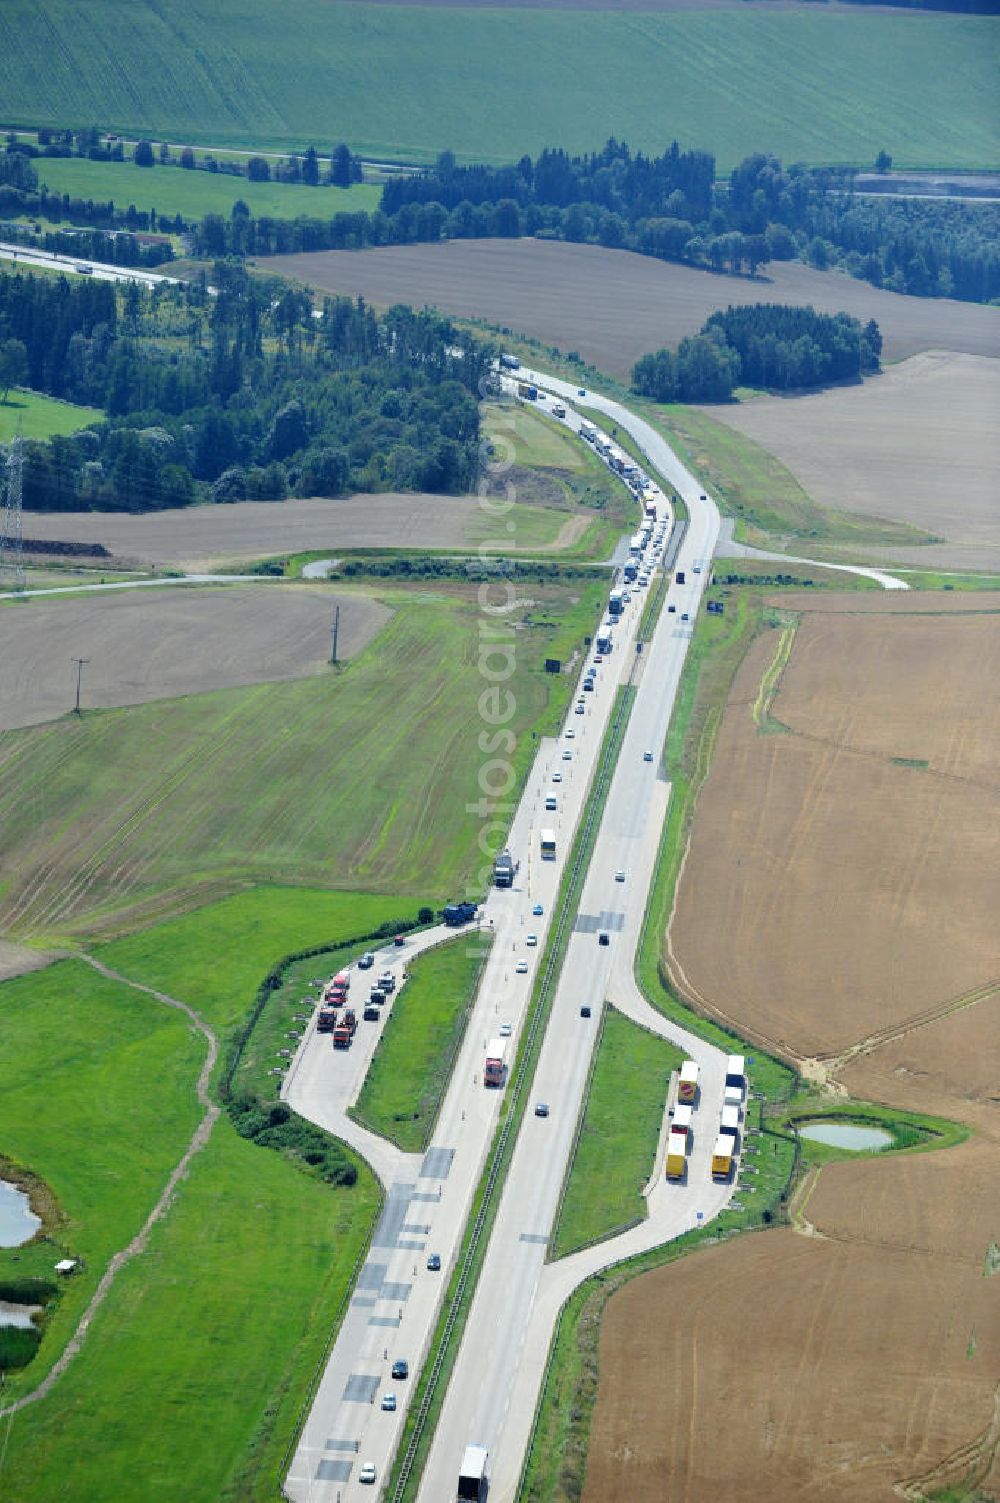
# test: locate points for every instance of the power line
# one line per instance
(79, 676)
(11, 534)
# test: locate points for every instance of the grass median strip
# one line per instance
(615, 1151)
(423, 1032)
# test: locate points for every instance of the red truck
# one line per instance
(345, 1030)
(327, 1020)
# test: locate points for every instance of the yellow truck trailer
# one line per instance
(677, 1144)
(722, 1156)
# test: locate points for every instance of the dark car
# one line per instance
(399, 940)
(541, 1109)
(371, 1014)
(401, 1368)
(604, 938)
(585, 1011)
(434, 1263)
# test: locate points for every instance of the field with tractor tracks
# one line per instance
(143, 645)
(845, 840)
(613, 306)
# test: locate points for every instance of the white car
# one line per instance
(506, 1029)
(521, 969)
(531, 939)
(619, 876)
(567, 755)
(367, 1473)
(557, 777)
(580, 710)
(570, 734)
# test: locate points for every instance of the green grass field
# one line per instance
(616, 1150)
(424, 1029)
(215, 957)
(494, 83)
(41, 417)
(359, 780)
(191, 1380)
(521, 434)
(97, 1098)
(172, 190)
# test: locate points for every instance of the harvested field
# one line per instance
(613, 306)
(859, 1349)
(158, 644)
(850, 801)
(919, 444)
(840, 1366)
(209, 537)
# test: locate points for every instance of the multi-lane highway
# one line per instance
(397, 1298)
(429, 1197)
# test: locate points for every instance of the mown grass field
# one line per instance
(616, 1150)
(216, 957)
(41, 417)
(81, 1057)
(173, 190)
(359, 780)
(423, 1030)
(193, 1373)
(522, 435)
(497, 82)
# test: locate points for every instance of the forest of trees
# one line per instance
(243, 395)
(760, 344)
(665, 207)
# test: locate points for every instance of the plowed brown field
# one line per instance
(920, 444)
(613, 306)
(858, 1351)
(158, 643)
(206, 537)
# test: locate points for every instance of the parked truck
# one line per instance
(682, 1116)
(687, 1089)
(722, 1156)
(503, 870)
(730, 1123)
(326, 1021)
(345, 1030)
(493, 1070)
(459, 913)
(603, 640)
(616, 603)
(677, 1143)
(472, 1484)
(558, 410)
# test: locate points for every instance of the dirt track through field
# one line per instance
(157, 644)
(613, 306)
(846, 844)
(918, 444)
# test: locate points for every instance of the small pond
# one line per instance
(18, 1222)
(844, 1135)
(17, 1315)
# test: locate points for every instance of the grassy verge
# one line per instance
(936, 579)
(41, 417)
(413, 1059)
(436, 1374)
(360, 777)
(615, 1150)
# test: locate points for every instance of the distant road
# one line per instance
(53, 261)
